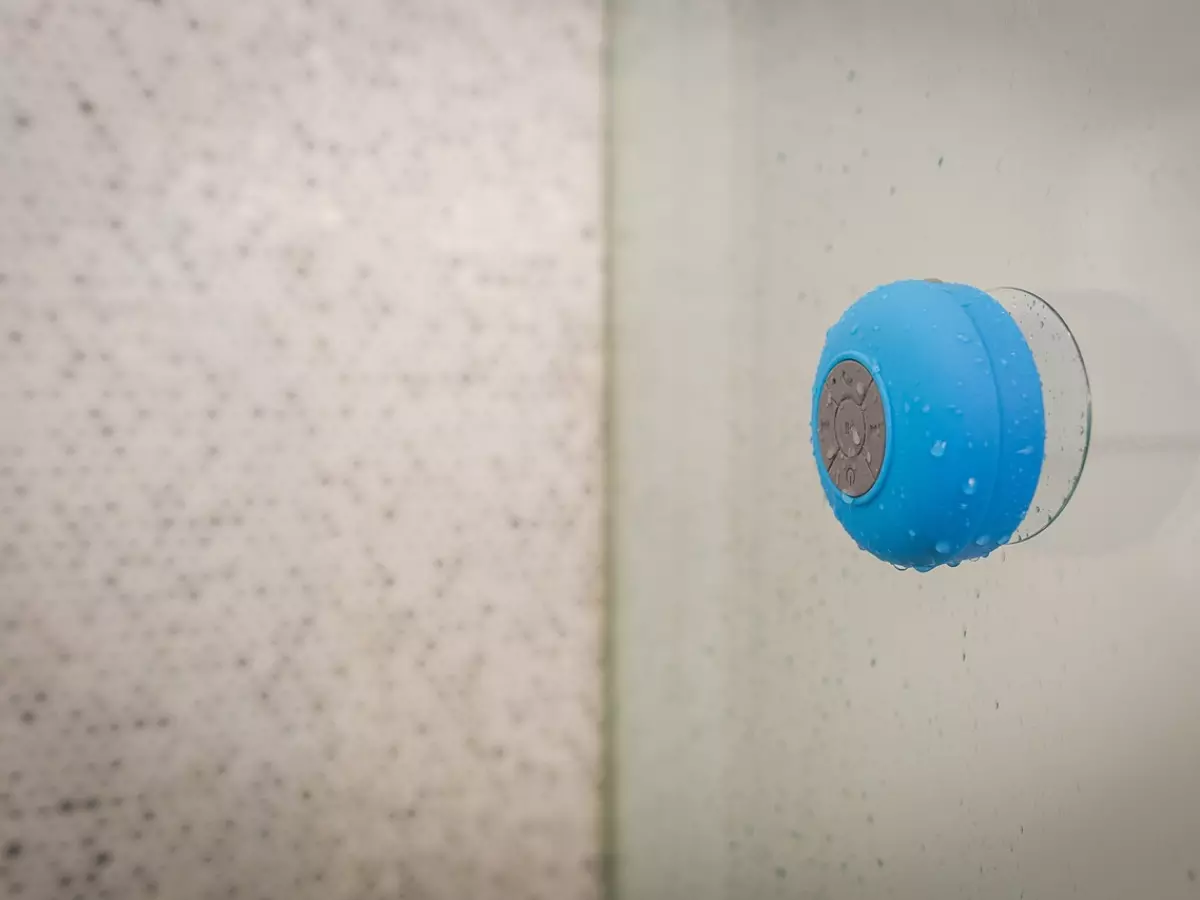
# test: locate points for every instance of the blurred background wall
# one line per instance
(300, 406)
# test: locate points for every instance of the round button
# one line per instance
(851, 429)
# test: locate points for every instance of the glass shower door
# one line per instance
(792, 717)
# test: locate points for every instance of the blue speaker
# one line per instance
(928, 424)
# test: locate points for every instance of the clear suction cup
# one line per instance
(1066, 398)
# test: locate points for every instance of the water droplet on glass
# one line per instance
(855, 436)
(1026, 450)
(925, 408)
(969, 487)
(907, 408)
(854, 329)
(982, 540)
(938, 448)
(942, 547)
(868, 457)
(911, 533)
(954, 563)
(962, 337)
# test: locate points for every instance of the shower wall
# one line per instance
(793, 718)
(300, 456)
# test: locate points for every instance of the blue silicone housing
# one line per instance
(964, 417)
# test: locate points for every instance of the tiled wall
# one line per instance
(300, 456)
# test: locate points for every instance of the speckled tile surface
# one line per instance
(299, 449)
